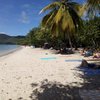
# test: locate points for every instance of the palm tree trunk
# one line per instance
(93, 42)
(64, 40)
(70, 43)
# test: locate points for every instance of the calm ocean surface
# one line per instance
(5, 49)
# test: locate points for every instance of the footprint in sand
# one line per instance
(30, 76)
(18, 78)
(10, 99)
(20, 98)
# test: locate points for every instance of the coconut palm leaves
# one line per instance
(50, 7)
(93, 7)
(62, 18)
(93, 2)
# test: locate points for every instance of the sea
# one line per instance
(6, 49)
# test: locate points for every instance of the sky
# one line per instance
(18, 17)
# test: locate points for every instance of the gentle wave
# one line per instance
(5, 49)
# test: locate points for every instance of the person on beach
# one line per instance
(87, 52)
(96, 54)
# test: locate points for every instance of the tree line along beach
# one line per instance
(55, 56)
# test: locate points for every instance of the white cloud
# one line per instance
(2, 33)
(24, 17)
(26, 6)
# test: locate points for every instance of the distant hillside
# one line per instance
(6, 39)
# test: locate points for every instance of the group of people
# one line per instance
(90, 52)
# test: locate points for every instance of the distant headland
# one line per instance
(6, 39)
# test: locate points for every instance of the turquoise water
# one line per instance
(4, 49)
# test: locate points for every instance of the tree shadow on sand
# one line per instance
(91, 78)
(55, 91)
(47, 90)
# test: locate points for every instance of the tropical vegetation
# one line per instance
(63, 19)
(65, 25)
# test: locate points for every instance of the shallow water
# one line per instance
(4, 49)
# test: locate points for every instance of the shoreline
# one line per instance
(10, 51)
(21, 71)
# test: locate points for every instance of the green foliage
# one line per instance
(63, 19)
(63, 25)
(38, 36)
(90, 35)
(93, 8)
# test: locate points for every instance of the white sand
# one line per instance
(23, 67)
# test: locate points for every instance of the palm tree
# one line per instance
(62, 18)
(93, 7)
(93, 2)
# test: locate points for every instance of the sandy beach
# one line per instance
(27, 66)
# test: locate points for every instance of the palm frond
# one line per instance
(53, 30)
(76, 19)
(83, 9)
(58, 16)
(79, 8)
(63, 18)
(50, 6)
(93, 2)
(67, 22)
(45, 18)
(51, 18)
(93, 7)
